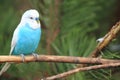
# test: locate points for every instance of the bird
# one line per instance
(26, 37)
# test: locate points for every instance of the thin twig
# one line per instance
(107, 38)
(59, 76)
(60, 59)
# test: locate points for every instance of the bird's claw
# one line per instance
(23, 57)
(35, 56)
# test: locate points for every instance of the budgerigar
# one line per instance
(26, 36)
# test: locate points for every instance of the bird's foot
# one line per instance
(35, 56)
(23, 57)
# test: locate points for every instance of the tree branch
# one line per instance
(107, 38)
(70, 72)
(60, 59)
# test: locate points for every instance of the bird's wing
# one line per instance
(14, 40)
(13, 43)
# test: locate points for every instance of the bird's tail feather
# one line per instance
(5, 67)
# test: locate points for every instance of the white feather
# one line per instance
(100, 39)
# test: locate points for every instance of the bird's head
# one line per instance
(32, 18)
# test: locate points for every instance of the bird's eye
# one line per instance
(31, 17)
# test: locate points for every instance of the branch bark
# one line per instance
(107, 38)
(81, 69)
(60, 59)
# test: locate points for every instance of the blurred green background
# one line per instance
(70, 28)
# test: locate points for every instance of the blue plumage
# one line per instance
(28, 40)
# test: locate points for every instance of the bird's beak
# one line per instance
(37, 19)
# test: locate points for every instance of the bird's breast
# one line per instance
(28, 40)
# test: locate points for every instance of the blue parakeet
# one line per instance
(26, 36)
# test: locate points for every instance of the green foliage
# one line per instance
(8, 23)
(80, 22)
